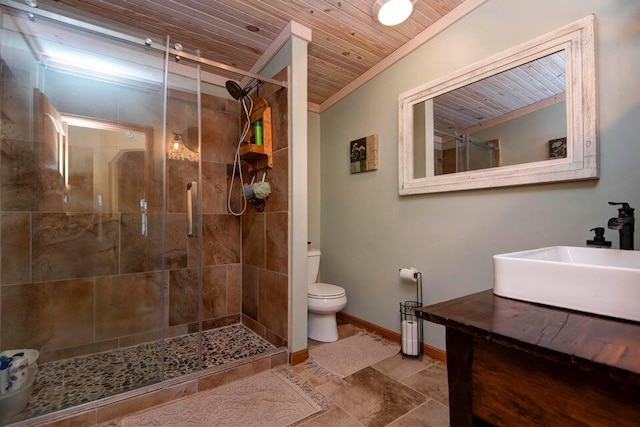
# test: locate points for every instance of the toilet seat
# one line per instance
(325, 291)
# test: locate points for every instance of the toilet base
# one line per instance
(322, 327)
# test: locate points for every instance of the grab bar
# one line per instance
(192, 196)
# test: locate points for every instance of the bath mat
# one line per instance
(266, 399)
(348, 356)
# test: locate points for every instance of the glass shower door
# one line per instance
(81, 209)
(183, 235)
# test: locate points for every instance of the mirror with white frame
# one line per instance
(524, 116)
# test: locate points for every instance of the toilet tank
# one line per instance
(313, 265)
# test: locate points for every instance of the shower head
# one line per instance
(236, 91)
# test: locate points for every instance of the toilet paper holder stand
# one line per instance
(411, 326)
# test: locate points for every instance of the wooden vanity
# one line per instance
(514, 363)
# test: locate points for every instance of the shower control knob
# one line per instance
(177, 46)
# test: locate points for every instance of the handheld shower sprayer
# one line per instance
(240, 94)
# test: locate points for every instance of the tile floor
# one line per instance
(395, 392)
(71, 382)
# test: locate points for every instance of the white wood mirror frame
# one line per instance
(578, 42)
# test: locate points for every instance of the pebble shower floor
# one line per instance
(70, 382)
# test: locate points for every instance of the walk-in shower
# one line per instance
(103, 136)
(460, 153)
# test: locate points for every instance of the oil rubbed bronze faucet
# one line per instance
(624, 223)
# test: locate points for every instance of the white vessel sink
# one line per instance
(600, 281)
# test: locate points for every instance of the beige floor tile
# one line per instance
(429, 414)
(345, 330)
(398, 368)
(334, 417)
(431, 382)
(348, 330)
(372, 398)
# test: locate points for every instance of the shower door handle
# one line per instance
(192, 196)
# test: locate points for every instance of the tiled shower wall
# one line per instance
(265, 235)
(80, 282)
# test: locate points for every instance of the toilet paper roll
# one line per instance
(409, 329)
(408, 274)
(410, 337)
(410, 347)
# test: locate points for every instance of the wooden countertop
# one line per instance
(570, 337)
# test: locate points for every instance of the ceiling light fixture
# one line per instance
(392, 12)
(177, 150)
(176, 147)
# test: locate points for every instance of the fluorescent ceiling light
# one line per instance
(392, 12)
(96, 65)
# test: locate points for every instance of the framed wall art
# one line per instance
(364, 154)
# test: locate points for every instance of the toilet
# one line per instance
(323, 301)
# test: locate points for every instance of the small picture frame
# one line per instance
(363, 154)
(558, 148)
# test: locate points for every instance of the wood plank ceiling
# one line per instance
(526, 88)
(347, 41)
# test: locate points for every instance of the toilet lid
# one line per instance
(325, 290)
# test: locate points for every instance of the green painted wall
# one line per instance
(368, 231)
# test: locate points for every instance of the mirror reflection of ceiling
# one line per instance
(496, 96)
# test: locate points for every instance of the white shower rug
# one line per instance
(348, 356)
(269, 399)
